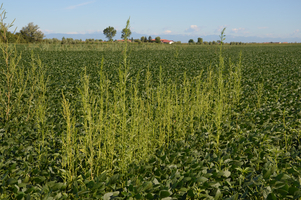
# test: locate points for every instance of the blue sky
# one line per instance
(195, 18)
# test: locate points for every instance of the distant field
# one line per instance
(151, 122)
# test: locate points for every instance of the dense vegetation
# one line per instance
(150, 122)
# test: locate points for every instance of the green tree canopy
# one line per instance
(125, 32)
(191, 41)
(32, 33)
(200, 40)
(109, 32)
(158, 39)
(150, 39)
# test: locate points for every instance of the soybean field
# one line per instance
(150, 121)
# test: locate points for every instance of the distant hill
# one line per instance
(183, 38)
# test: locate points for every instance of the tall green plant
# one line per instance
(13, 82)
(221, 93)
(69, 139)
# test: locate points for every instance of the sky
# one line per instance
(192, 18)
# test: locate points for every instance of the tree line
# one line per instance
(28, 34)
(110, 33)
(200, 41)
(32, 34)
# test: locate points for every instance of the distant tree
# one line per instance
(158, 39)
(109, 32)
(213, 42)
(55, 40)
(47, 41)
(149, 38)
(142, 39)
(137, 40)
(24, 37)
(132, 39)
(50, 41)
(218, 41)
(11, 37)
(20, 38)
(124, 32)
(206, 43)
(191, 41)
(200, 40)
(64, 41)
(32, 33)
(70, 41)
(210, 43)
(145, 39)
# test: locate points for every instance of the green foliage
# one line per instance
(5, 35)
(162, 123)
(222, 36)
(191, 41)
(158, 39)
(52, 41)
(31, 33)
(137, 40)
(142, 39)
(200, 41)
(237, 43)
(12, 38)
(125, 32)
(109, 32)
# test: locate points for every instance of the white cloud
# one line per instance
(220, 28)
(78, 5)
(167, 31)
(296, 31)
(74, 32)
(270, 35)
(192, 28)
(264, 27)
(236, 30)
(240, 31)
